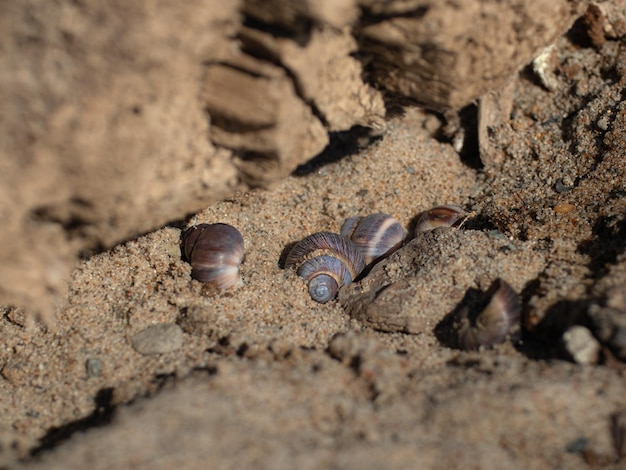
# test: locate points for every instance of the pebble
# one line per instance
(543, 66)
(581, 345)
(15, 315)
(564, 208)
(94, 367)
(497, 235)
(563, 184)
(158, 339)
(603, 123)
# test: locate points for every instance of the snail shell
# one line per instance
(215, 252)
(377, 235)
(439, 216)
(498, 321)
(326, 261)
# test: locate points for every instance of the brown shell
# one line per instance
(499, 320)
(439, 216)
(326, 261)
(377, 235)
(215, 252)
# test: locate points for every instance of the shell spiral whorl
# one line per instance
(377, 235)
(326, 261)
(215, 252)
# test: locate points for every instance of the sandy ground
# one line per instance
(265, 377)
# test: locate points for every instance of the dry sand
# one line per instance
(264, 377)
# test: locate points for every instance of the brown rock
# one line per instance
(494, 109)
(446, 54)
(257, 114)
(325, 74)
(103, 135)
(158, 339)
(581, 346)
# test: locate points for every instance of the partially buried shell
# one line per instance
(326, 261)
(499, 320)
(439, 216)
(215, 252)
(377, 235)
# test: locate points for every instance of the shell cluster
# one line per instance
(327, 261)
(215, 252)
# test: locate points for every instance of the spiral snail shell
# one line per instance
(439, 216)
(377, 235)
(499, 320)
(326, 261)
(215, 252)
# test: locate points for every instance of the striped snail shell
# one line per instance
(499, 320)
(326, 261)
(439, 216)
(377, 235)
(215, 252)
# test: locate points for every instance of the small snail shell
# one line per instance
(326, 261)
(377, 235)
(498, 321)
(215, 252)
(440, 216)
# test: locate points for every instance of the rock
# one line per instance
(158, 339)
(446, 54)
(494, 109)
(257, 114)
(103, 135)
(581, 345)
(326, 74)
(93, 367)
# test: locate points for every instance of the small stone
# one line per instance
(158, 339)
(577, 446)
(543, 66)
(603, 123)
(94, 367)
(564, 208)
(496, 235)
(581, 345)
(563, 184)
(15, 315)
